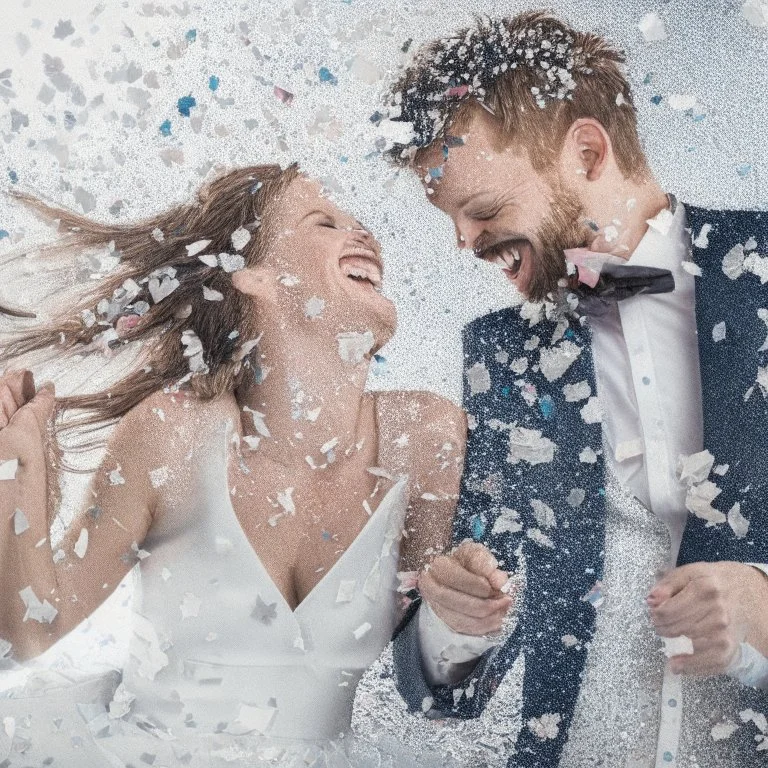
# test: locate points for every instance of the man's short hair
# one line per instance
(534, 72)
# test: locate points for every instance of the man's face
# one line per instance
(503, 209)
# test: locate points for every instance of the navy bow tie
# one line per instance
(618, 282)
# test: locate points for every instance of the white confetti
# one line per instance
(692, 268)
(581, 390)
(8, 469)
(695, 468)
(209, 294)
(159, 476)
(251, 719)
(682, 645)
(346, 591)
(699, 501)
(285, 500)
(588, 456)
(42, 612)
(81, 545)
(231, 262)
(190, 605)
(529, 445)
(258, 421)
(197, 247)
(157, 234)
(240, 238)
(555, 361)
(718, 332)
(353, 346)
(20, 522)
(121, 702)
(541, 538)
(739, 524)
(722, 731)
(702, 239)
(592, 413)
(314, 307)
(652, 27)
(756, 12)
(362, 630)
(733, 262)
(478, 378)
(543, 514)
(222, 545)
(115, 478)
(681, 102)
(508, 521)
(160, 289)
(545, 727)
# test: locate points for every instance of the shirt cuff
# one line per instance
(448, 656)
(760, 567)
(750, 667)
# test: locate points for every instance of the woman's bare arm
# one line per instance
(44, 594)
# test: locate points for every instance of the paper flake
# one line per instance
(353, 346)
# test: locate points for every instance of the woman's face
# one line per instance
(324, 268)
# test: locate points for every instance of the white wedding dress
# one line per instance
(221, 671)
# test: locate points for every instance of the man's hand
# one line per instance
(464, 589)
(716, 605)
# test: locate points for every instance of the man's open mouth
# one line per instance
(362, 266)
(508, 254)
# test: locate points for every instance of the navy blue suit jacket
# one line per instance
(559, 577)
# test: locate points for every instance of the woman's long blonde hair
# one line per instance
(240, 199)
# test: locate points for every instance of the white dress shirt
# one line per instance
(646, 359)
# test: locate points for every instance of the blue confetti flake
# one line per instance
(657, 100)
(4, 233)
(744, 170)
(191, 35)
(165, 128)
(213, 83)
(326, 535)
(547, 406)
(185, 103)
(436, 173)
(478, 527)
(13, 176)
(326, 76)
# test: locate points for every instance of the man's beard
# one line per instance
(563, 228)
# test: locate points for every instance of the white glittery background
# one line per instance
(86, 87)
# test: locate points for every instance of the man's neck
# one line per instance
(622, 217)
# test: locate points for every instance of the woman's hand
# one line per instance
(464, 588)
(25, 416)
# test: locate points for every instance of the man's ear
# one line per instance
(586, 149)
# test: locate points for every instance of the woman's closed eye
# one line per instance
(485, 215)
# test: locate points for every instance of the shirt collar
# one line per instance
(666, 243)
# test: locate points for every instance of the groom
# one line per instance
(618, 446)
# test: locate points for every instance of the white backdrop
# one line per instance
(87, 88)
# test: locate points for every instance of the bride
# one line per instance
(269, 500)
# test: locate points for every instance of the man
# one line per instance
(617, 445)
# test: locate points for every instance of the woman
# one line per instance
(262, 490)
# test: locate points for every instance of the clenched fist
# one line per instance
(464, 588)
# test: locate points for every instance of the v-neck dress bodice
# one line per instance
(215, 647)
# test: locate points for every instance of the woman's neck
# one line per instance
(309, 408)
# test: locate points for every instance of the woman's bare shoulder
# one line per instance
(166, 422)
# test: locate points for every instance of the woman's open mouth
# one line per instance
(362, 266)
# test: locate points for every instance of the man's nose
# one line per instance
(466, 235)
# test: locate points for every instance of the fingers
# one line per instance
(447, 570)
(711, 656)
(491, 624)
(17, 387)
(444, 596)
(680, 615)
(476, 558)
(33, 417)
(672, 583)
